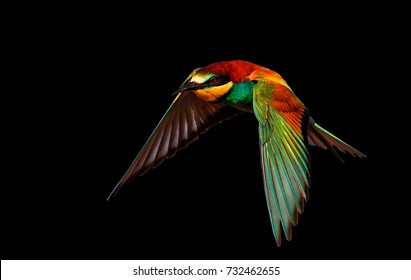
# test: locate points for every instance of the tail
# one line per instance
(318, 136)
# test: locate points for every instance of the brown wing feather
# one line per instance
(318, 136)
(186, 118)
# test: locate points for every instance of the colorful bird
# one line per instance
(222, 90)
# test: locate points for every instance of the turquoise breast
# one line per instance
(240, 96)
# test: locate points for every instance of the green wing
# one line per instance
(284, 154)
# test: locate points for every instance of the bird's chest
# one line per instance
(240, 96)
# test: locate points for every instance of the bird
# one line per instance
(222, 90)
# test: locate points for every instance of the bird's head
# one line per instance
(215, 80)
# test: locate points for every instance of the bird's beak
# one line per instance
(187, 86)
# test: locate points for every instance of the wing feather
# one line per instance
(187, 117)
(284, 154)
(282, 180)
(165, 145)
(318, 136)
(270, 197)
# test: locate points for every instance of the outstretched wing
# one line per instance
(186, 118)
(284, 154)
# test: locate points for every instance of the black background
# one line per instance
(93, 86)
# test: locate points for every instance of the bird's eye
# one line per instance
(212, 81)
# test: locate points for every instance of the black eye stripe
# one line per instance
(217, 81)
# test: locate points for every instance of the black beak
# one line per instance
(187, 86)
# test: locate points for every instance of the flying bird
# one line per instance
(222, 90)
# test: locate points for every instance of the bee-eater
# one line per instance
(222, 90)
